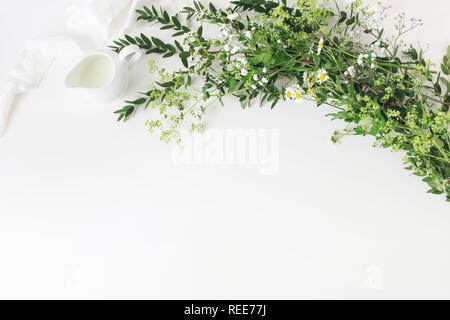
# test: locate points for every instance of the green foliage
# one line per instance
(308, 51)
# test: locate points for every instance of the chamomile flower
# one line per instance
(294, 93)
(320, 47)
(322, 76)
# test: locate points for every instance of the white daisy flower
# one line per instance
(320, 47)
(244, 72)
(322, 76)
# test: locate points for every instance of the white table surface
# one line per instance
(90, 208)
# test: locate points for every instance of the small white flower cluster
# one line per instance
(370, 57)
(401, 25)
(240, 63)
(296, 93)
(379, 47)
(231, 44)
(320, 47)
(373, 16)
(354, 33)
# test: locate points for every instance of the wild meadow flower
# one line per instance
(322, 76)
(320, 47)
(244, 72)
(264, 80)
(255, 77)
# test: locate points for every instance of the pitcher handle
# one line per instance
(126, 52)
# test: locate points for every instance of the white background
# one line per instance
(90, 208)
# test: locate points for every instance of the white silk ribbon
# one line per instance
(92, 24)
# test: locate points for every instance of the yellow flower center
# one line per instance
(313, 80)
(322, 77)
(297, 95)
(321, 45)
(288, 94)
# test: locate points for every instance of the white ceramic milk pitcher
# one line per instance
(103, 75)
